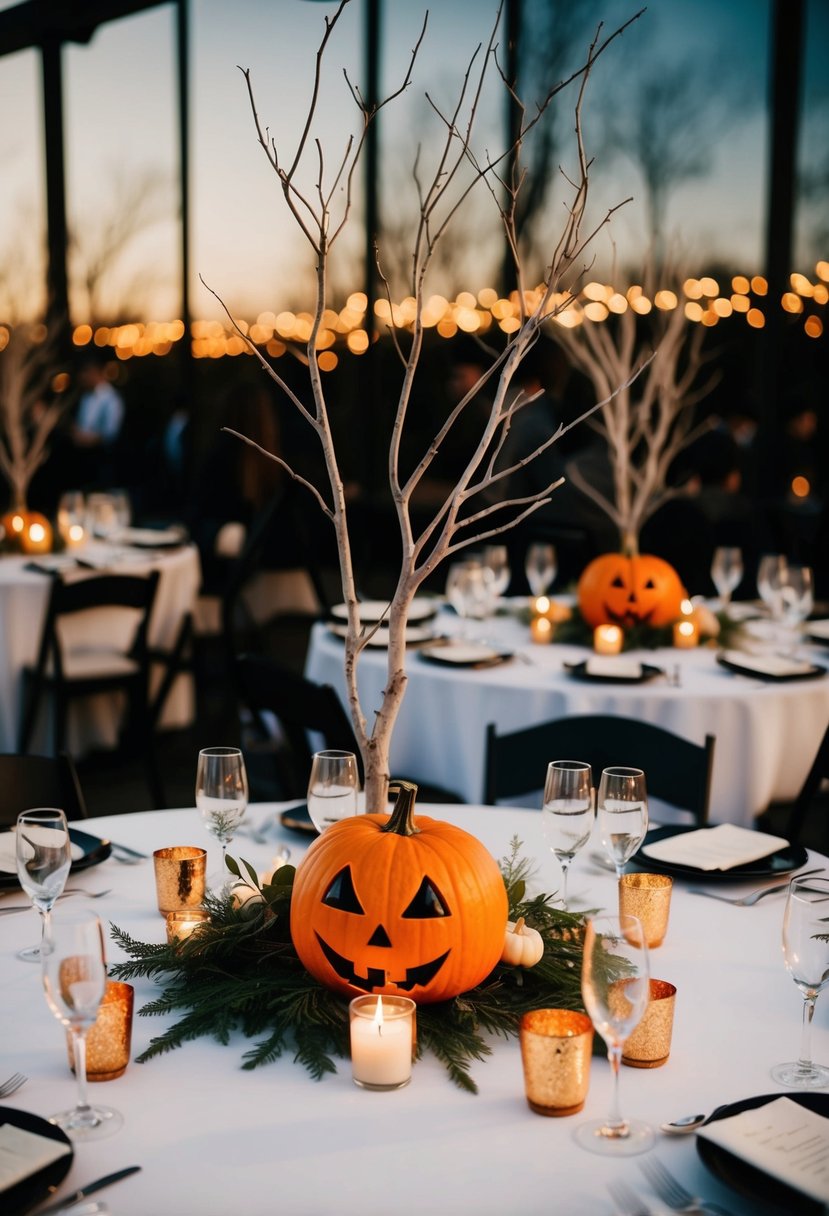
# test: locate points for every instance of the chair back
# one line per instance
(678, 772)
(808, 791)
(33, 781)
(301, 707)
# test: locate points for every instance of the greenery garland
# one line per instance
(239, 971)
(575, 631)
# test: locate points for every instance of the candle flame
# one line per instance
(686, 628)
(378, 1015)
(686, 608)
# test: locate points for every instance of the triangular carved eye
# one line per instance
(618, 581)
(427, 903)
(650, 585)
(341, 894)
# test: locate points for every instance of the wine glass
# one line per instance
(615, 987)
(496, 560)
(71, 517)
(332, 788)
(540, 567)
(221, 798)
(771, 575)
(622, 813)
(567, 812)
(74, 979)
(806, 954)
(44, 854)
(798, 600)
(468, 590)
(726, 571)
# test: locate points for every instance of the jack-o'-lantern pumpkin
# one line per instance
(26, 531)
(616, 589)
(387, 904)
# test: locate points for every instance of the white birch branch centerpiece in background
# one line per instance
(471, 511)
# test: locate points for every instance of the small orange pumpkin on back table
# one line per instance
(386, 904)
(616, 589)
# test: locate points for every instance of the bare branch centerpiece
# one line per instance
(477, 506)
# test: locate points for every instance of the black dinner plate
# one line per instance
(579, 672)
(298, 820)
(814, 672)
(783, 861)
(747, 1179)
(94, 849)
(445, 654)
(30, 1191)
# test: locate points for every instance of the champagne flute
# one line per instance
(74, 980)
(615, 987)
(540, 567)
(622, 813)
(567, 812)
(806, 954)
(726, 572)
(332, 788)
(44, 854)
(221, 798)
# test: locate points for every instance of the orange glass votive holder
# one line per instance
(556, 1048)
(179, 877)
(109, 1039)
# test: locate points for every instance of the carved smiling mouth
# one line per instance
(376, 978)
(629, 618)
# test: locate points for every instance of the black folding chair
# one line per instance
(818, 773)
(33, 781)
(678, 772)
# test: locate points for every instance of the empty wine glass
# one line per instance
(469, 591)
(806, 954)
(726, 572)
(332, 788)
(221, 798)
(71, 517)
(74, 980)
(622, 809)
(771, 575)
(567, 812)
(798, 600)
(615, 987)
(496, 560)
(44, 854)
(540, 567)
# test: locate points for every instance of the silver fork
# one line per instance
(12, 1085)
(747, 901)
(626, 1200)
(88, 894)
(674, 1194)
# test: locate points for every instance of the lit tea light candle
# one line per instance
(541, 606)
(181, 925)
(607, 639)
(541, 629)
(381, 1041)
(686, 630)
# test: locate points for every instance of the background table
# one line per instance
(24, 595)
(767, 733)
(213, 1139)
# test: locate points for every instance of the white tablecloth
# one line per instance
(23, 599)
(767, 733)
(213, 1139)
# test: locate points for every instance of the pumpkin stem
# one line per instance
(401, 820)
(630, 544)
(519, 925)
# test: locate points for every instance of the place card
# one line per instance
(23, 1153)
(719, 848)
(776, 665)
(783, 1139)
(611, 667)
(8, 852)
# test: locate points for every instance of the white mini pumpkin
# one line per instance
(523, 946)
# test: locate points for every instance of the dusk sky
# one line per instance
(121, 116)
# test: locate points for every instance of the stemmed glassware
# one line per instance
(622, 810)
(71, 516)
(615, 987)
(74, 979)
(540, 567)
(798, 600)
(469, 590)
(567, 812)
(771, 576)
(496, 561)
(726, 572)
(44, 854)
(332, 788)
(221, 798)
(806, 954)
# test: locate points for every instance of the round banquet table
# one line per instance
(767, 732)
(24, 594)
(212, 1138)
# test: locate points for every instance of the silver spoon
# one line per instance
(683, 1125)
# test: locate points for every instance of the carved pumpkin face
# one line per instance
(419, 915)
(619, 590)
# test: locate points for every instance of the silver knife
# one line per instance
(90, 1189)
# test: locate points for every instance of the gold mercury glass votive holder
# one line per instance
(109, 1039)
(648, 897)
(383, 1038)
(556, 1047)
(181, 925)
(179, 877)
(649, 1045)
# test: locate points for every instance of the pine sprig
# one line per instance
(240, 973)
